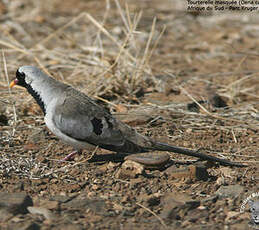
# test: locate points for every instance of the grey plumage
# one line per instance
(93, 124)
(77, 120)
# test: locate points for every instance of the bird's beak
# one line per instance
(13, 83)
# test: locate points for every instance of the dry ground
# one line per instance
(160, 69)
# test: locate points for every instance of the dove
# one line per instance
(80, 122)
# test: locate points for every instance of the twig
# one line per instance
(154, 214)
(9, 90)
(25, 52)
(106, 101)
(234, 136)
(144, 60)
(100, 27)
(212, 115)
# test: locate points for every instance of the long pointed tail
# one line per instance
(188, 152)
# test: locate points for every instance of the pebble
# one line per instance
(231, 191)
(15, 203)
(129, 169)
(42, 211)
(193, 172)
(150, 159)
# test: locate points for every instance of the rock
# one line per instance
(150, 159)
(251, 31)
(137, 116)
(176, 206)
(52, 205)
(217, 101)
(194, 172)
(232, 214)
(220, 181)
(28, 225)
(231, 191)
(69, 227)
(3, 8)
(199, 171)
(130, 169)
(96, 206)
(193, 107)
(227, 172)
(5, 215)
(240, 226)
(255, 115)
(196, 215)
(42, 211)
(150, 200)
(15, 203)
(3, 120)
(61, 198)
(37, 136)
(121, 109)
(34, 139)
(133, 119)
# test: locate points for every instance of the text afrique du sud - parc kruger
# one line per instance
(232, 5)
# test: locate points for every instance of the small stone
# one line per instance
(150, 159)
(189, 130)
(175, 205)
(232, 191)
(3, 120)
(36, 137)
(255, 115)
(42, 211)
(220, 181)
(60, 198)
(117, 207)
(193, 107)
(28, 225)
(15, 203)
(217, 101)
(69, 227)
(121, 108)
(130, 169)
(199, 171)
(201, 208)
(97, 206)
(151, 200)
(133, 118)
(193, 172)
(231, 215)
(112, 165)
(5, 215)
(227, 172)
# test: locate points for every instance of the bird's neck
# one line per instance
(37, 97)
(45, 91)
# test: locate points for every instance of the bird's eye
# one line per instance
(20, 75)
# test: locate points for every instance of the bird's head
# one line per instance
(37, 83)
(25, 75)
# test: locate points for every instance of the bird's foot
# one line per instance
(71, 155)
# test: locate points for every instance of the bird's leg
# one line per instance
(71, 155)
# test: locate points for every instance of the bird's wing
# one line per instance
(81, 118)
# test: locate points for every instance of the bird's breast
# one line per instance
(79, 145)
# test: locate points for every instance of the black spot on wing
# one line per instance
(97, 125)
(110, 125)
